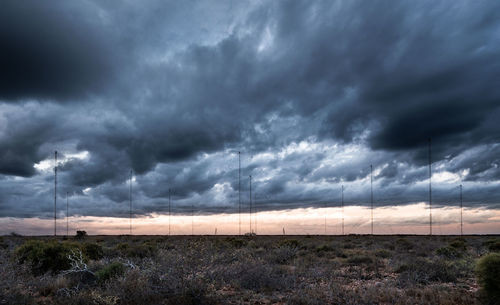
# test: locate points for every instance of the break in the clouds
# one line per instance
(311, 92)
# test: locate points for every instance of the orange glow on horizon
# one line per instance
(408, 219)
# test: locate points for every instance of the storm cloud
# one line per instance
(311, 93)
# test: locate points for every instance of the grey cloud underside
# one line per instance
(51, 52)
(165, 89)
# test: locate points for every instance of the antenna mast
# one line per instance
(256, 212)
(169, 210)
(371, 193)
(55, 193)
(130, 203)
(430, 189)
(342, 210)
(192, 218)
(239, 190)
(461, 213)
(325, 216)
(67, 215)
(250, 203)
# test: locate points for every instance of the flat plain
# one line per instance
(351, 269)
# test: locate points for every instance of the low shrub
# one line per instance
(488, 275)
(449, 252)
(292, 243)
(324, 248)
(110, 271)
(236, 242)
(458, 244)
(193, 292)
(45, 256)
(3, 244)
(348, 245)
(404, 244)
(493, 245)
(283, 254)
(260, 277)
(134, 250)
(360, 259)
(383, 253)
(92, 251)
(390, 246)
(422, 271)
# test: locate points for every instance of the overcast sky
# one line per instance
(310, 92)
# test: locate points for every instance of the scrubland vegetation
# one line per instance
(250, 270)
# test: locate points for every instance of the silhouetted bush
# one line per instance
(488, 275)
(80, 234)
(45, 256)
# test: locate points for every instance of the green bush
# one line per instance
(110, 271)
(493, 245)
(449, 252)
(488, 275)
(292, 243)
(458, 244)
(324, 248)
(92, 251)
(140, 251)
(45, 256)
(236, 242)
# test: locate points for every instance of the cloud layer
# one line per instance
(311, 93)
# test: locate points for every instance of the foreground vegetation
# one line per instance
(250, 270)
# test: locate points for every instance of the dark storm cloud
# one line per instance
(51, 51)
(164, 88)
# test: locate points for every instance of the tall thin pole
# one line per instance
(325, 217)
(239, 190)
(430, 189)
(250, 203)
(192, 218)
(67, 215)
(169, 211)
(342, 210)
(256, 213)
(461, 213)
(371, 193)
(55, 193)
(130, 203)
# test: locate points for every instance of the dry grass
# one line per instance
(254, 270)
